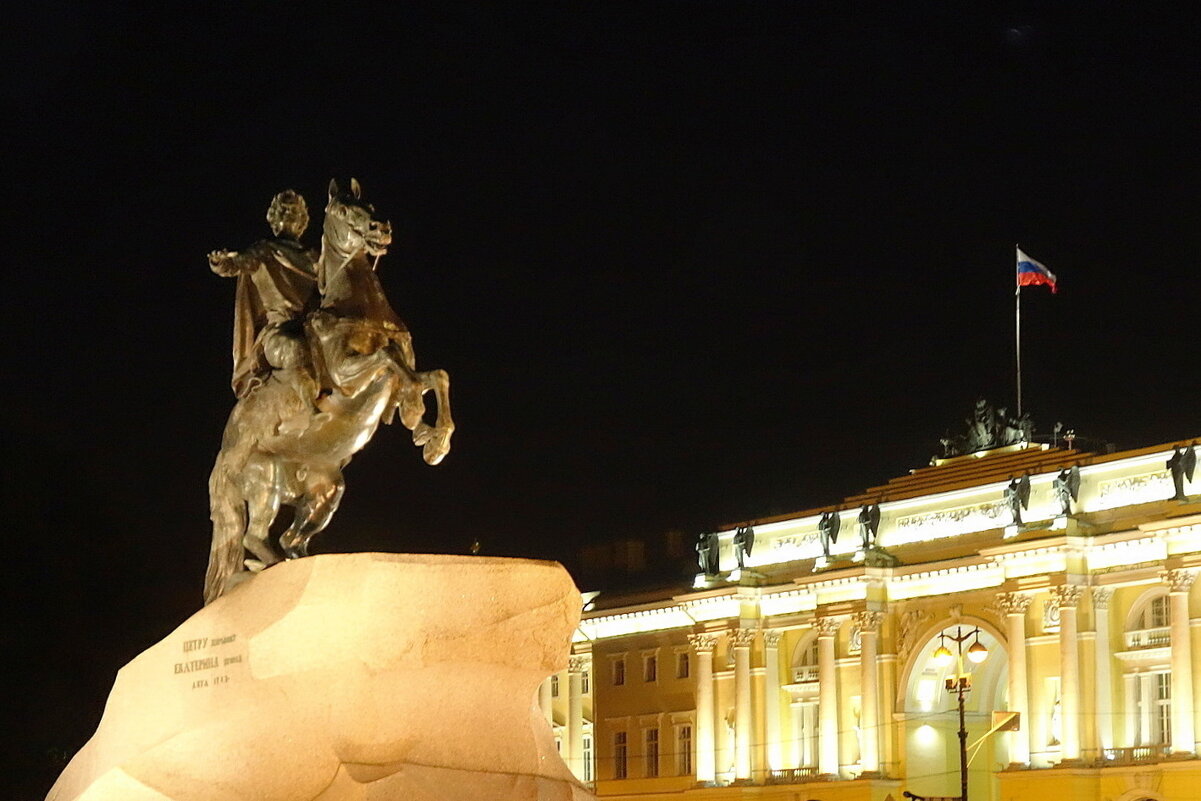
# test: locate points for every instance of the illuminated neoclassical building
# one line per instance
(810, 672)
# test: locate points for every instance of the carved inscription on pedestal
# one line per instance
(202, 659)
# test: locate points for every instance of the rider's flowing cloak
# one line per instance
(249, 319)
(286, 273)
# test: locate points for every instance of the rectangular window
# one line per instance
(620, 770)
(684, 748)
(682, 666)
(652, 753)
(587, 756)
(585, 683)
(1163, 707)
(619, 671)
(1159, 613)
(554, 686)
(650, 668)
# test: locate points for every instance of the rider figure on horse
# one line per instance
(277, 283)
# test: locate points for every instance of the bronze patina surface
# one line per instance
(320, 360)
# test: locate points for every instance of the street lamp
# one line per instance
(961, 683)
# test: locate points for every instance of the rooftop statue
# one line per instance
(1066, 487)
(744, 541)
(869, 525)
(827, 532)
(320, 360)
(708, 553)
(988, 428)
(1181, 465)
(1017, 497)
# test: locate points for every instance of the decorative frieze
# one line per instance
(794, 541)
(1132, 490)
(907, 625)
(1135, 489)
(702, 643)
(1051, 615)
(950, 522)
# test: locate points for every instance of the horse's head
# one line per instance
(350, 226)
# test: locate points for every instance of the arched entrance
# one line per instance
(932, 717)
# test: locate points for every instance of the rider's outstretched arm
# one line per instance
(230, 263)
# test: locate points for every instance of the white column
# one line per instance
(576, 666)
(827, 675)
(743, 702)
(1015, 605)
(1146, 704)
(869, 721)
(545, 702)
(1068, 596)
(771, 699)
(706, 763)
(1104, 674)
(1183, 740)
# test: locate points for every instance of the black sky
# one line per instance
(686, 262)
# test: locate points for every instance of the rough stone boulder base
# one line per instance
(345, 677)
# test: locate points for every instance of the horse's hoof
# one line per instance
(254, 565)
(422, 435)
(435, 450)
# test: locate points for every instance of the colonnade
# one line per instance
(750, 732)
(1139, 687)
(758, 744)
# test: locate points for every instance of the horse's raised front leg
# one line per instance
(323, 493)
(435, 439)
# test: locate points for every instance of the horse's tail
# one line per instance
(228, 512)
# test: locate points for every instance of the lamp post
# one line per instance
(961, 683)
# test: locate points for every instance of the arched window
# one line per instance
(1147, 626)
(804, 665)
(1156, 613)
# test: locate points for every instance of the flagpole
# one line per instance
(1017, 332)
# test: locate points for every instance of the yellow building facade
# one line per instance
(809, 669)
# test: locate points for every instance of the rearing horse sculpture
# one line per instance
(362, 355)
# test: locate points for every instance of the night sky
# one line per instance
(687, 263)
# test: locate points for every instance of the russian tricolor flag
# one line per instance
(1033, 273)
